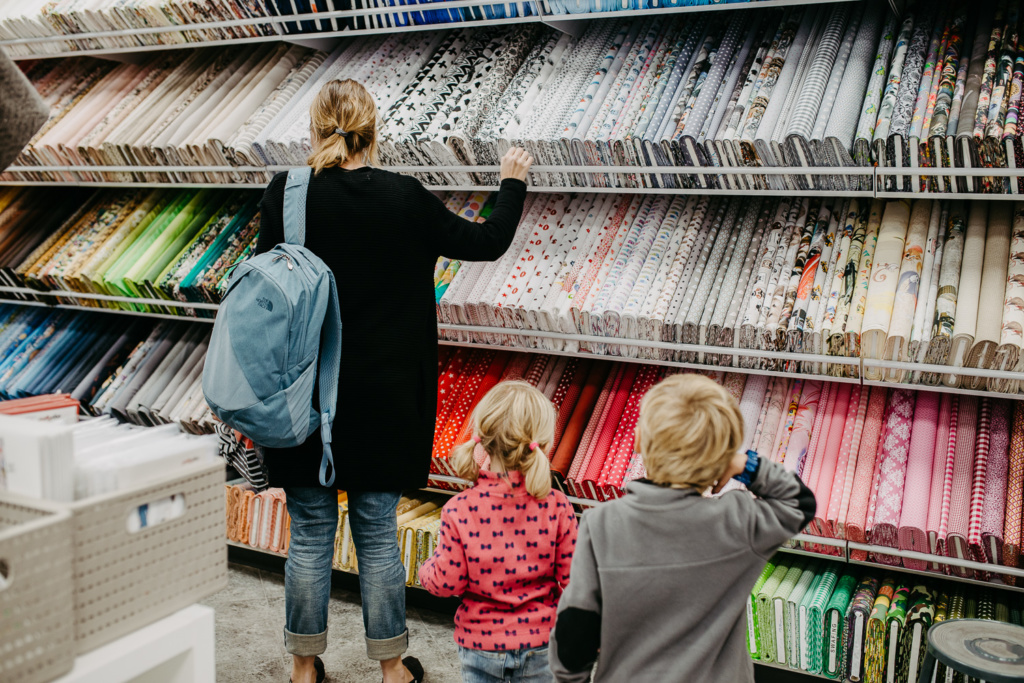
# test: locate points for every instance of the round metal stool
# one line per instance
(992, 651)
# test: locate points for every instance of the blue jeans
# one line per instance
(307, 571)
(512, 666)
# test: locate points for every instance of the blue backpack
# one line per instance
(279, 316)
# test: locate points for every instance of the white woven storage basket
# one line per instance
(36, 610)
(123, 580)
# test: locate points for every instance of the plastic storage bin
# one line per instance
(36, 613)
(124, 580)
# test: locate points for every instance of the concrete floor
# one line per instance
(250, 618)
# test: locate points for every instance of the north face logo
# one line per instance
(265, 303)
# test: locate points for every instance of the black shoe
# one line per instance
(415, 668)
(321, 672)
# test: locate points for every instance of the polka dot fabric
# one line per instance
(507, 555)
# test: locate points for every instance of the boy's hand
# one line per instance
(736, 466)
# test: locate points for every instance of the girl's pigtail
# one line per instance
(463, 463)
(537, 474)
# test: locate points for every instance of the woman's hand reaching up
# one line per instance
(516, 164)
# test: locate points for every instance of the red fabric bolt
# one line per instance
(619, 461)
(581, 459)
(588, 378)
(447, 389)
(607, 435)
(490, 380)
(474, 374)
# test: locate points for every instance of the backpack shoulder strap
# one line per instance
(295, 205)
(330, 365)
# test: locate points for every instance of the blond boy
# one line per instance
(660, 577)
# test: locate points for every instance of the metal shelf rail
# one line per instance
(857, 365)
(709, 180)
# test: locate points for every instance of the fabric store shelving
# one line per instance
(846, 548)
(783, 667)
(400, 20)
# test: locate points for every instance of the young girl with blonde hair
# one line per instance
(506, 544)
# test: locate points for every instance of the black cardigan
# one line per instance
(381, 234)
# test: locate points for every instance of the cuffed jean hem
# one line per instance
(387, 648)
(303, 645)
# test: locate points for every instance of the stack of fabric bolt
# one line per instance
(908, 470)
(911, 470)
(822, 618)
(261, 520)
(883, 281)
(895, 281)
(153, 244)
(42, 18)
(140, 372)
(843, 85)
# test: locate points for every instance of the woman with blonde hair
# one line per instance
(506, 544)
(381, 233)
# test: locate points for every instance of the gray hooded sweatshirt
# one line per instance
(660, 580)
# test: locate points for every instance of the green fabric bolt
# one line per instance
(875, 638)
(753, 632)
(914, 639)
(765, 615)
(895, 620)
(822, 594)
(799, 633)
(834, 638)
(779, 610)
(807, 579)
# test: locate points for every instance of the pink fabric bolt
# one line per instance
(839, 529)
(835, 497)
(946, 424)
(863, 481)
(995, 482)
(773, 415)
(961, 481)
(895, 452)
(819, 435)
(913, 534)
(947, 485)
(981, 452)
(834, 444)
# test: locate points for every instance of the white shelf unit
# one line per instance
(860, 364)
(148, 38)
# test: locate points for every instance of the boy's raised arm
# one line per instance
(784, 507)
(576, 637)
